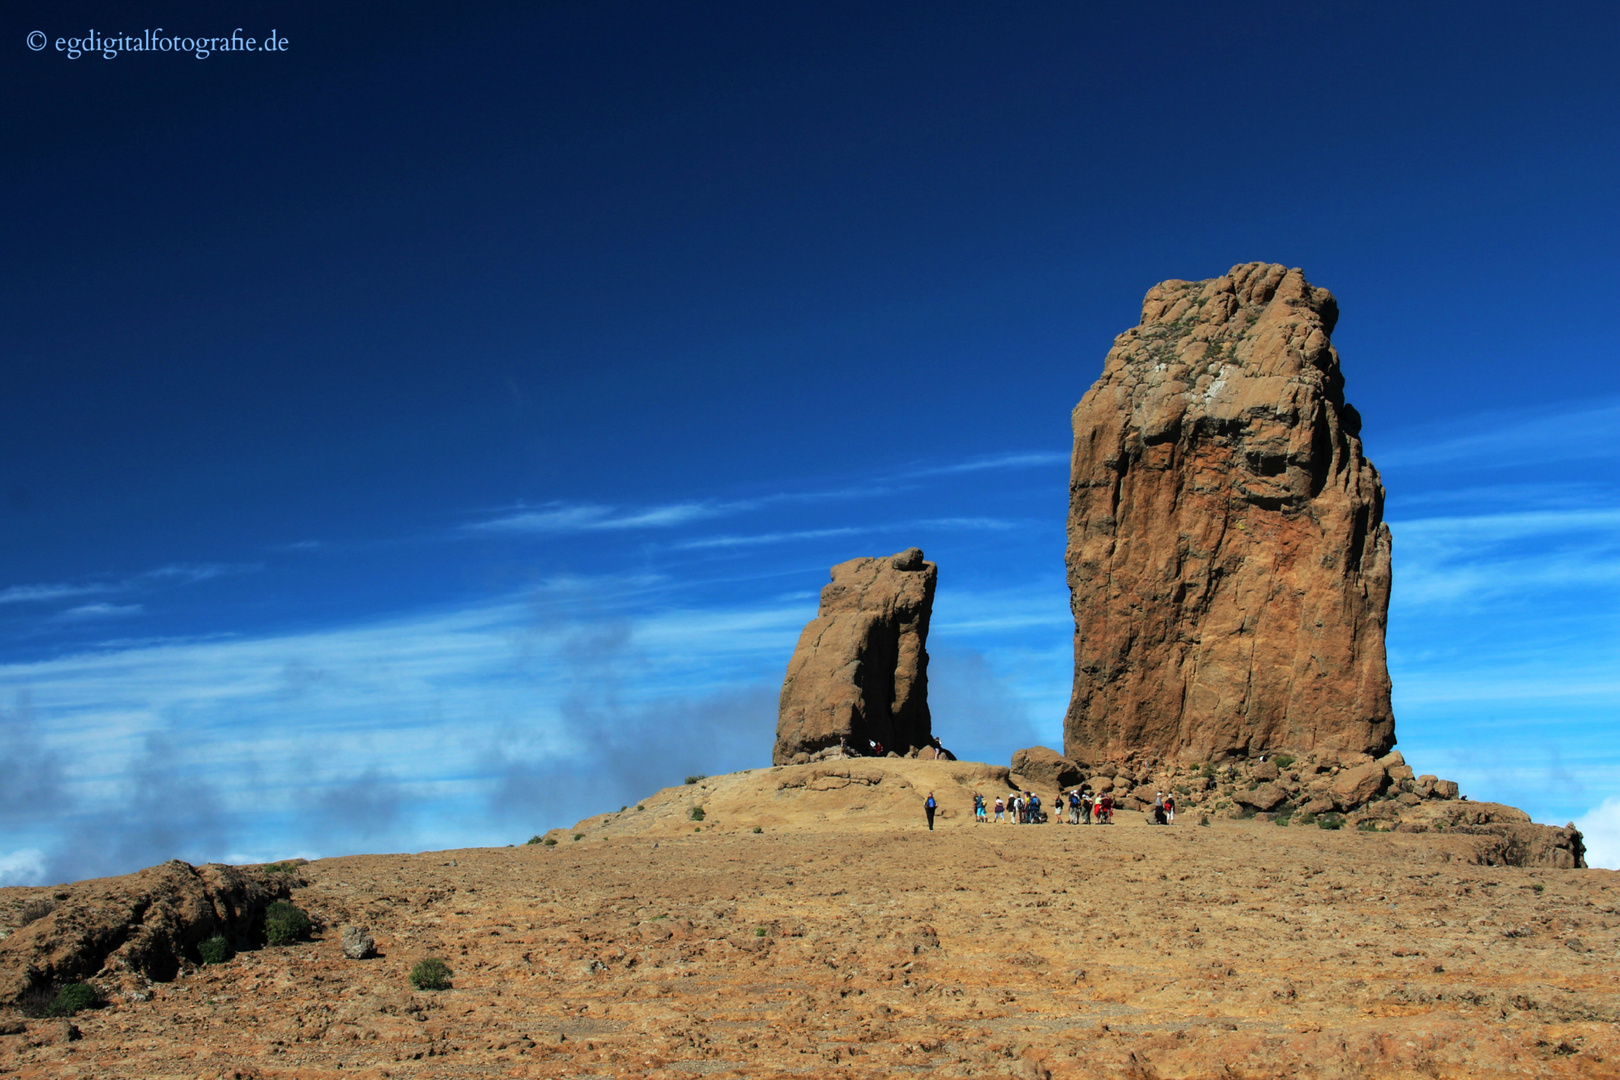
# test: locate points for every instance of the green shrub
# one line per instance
(1283, 760)
(284, 923)
(281, 867)
(579, 836)
(640, 807)
(622, 809)
(431, 974)
(534, 840)
(1539, 887)
(759, 931)
(1281, 819)
(757, 829)
(1207, 771)
(74, 997)
(695, 779)
(1367, 825)
(697, 813)
(1305, 817)
(1330, 821)
(550, 841)
(216, 950)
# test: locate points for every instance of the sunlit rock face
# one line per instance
(1228, 563)
(860, 671)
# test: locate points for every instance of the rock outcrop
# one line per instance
(1043, 765)
(860, 671)
(1228, 564)
(126, 930)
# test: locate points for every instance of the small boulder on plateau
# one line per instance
(1353, 787)
(1043, 765)
(358, 943)
(860, 670)
(1264, 797)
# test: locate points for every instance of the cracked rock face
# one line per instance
(860, 670)
(1228, 563)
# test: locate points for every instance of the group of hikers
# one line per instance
(1025, 808)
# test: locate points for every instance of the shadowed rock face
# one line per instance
(1228, 564)
(860, 670)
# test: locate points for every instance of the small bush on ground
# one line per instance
(534, 840)
(550, 841)
(1367, 825)
(695, 779)
(640, 807)
(431, 974)
(285, 923)
(74, 997)
(579, 836)
(281, 867)
(758, 829)
(697, 813)
(35, 910)
(216, 950)
(1330, 821)
(1283, 760)
(36, 1001)
(1305, 817)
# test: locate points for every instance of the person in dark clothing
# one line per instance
(928, 808)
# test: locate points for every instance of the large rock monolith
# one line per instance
(860, 671)
(1228, 564)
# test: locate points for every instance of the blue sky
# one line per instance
(439, 431)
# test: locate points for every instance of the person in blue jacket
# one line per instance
(929, 807)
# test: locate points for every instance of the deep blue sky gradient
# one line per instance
(577, 320)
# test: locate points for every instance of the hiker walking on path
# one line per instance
(1000, 809)
(928, 808)
(1170, 807)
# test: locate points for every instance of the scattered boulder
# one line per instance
(1043, 765)
(1264, 797)
(1353, 787)
(1228, 563)
(1445, 789)
(358, 943)
(860, 671)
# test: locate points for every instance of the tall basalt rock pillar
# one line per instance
(1228, 563)
(860, 670)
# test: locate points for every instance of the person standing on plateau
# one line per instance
(928, 808)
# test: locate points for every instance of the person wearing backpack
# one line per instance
(928, 808)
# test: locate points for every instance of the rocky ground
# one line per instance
(843, 938)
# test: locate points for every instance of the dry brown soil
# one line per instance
(839, 942)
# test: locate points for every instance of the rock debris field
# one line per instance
(844, 939)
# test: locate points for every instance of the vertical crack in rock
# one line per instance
(860, 670)
(1228, 564)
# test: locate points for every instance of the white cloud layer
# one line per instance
(1601, 827)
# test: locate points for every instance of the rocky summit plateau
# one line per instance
(1317, 908)
(811, 925)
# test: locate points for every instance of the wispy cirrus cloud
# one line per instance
(28, 594)
(174, 573)
(1495, 440)
(98, 611)
(761, 539)
(579, 518)
(563, 517)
